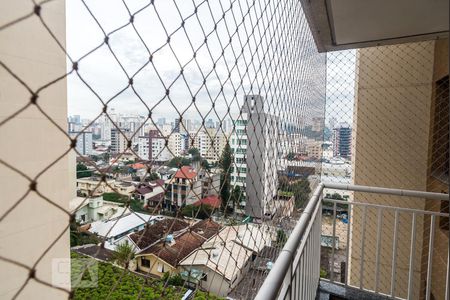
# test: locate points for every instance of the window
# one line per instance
(160, 268)
(240, 160)
(145, 262)
(205, 277)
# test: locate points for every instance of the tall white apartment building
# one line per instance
(261, 157)
(118, 141)
(176, 144)
(209, 142)
(238, 146)
(84, 142)
(153, 146)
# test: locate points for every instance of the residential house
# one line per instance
(221, 262)
(210, 183)
(123, 187)
(151, 194)
(116, 228)
(165, 255)
(213, 201)
(93, 186)
(93, 209)
(183, 188)
(152, 234)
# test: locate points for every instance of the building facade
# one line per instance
(84, 142)
(380, 158)
(261, 157)
(342, 140)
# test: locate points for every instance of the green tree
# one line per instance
(153, 176)
(290, 156)
(195, 154)
(205, 165)
(283, 183)
(237, 195)
(301, 190)
(225, 163)
(200, 212)
(123, 255)
(336, 196)
(81, 238)
(82, 171)
(177, 162)
(281, 237)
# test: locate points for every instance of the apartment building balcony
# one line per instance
(363, 250)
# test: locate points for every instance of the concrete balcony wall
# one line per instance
(390, 146)
(30, 143)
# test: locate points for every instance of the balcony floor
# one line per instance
(331, 291)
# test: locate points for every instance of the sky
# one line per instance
(261, 30)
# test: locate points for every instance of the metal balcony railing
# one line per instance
(383, 255)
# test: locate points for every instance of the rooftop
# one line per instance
(155, 232)
(173, 253)
(116, 226)
(186, 172)
(212, 201)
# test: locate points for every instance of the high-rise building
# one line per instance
(153, 147)
(119, 143)
(209, 123)
(238, 146)
(84, 142)
(209, 142)
(161, 122)
(342, 140)
(261, 179)
(317, 124)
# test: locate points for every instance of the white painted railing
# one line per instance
(296, 273)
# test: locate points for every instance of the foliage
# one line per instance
(285, 194)
(336, 196)
(225, 163)
(115, 197)
(81, 238)
(237, 195)
(195, 154)
(135, 205)
(205, 165)
(175, 280)
(82, 171)
(283, 183)
(178, 161)
(116, 283)
(200, 212)
(123, 255)
(281, 237)
(290, 156)
(152, 176)
(299, 188)
(323, 273)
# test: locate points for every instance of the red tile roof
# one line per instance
(138, 166)
(186, 172)
(212, 201)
